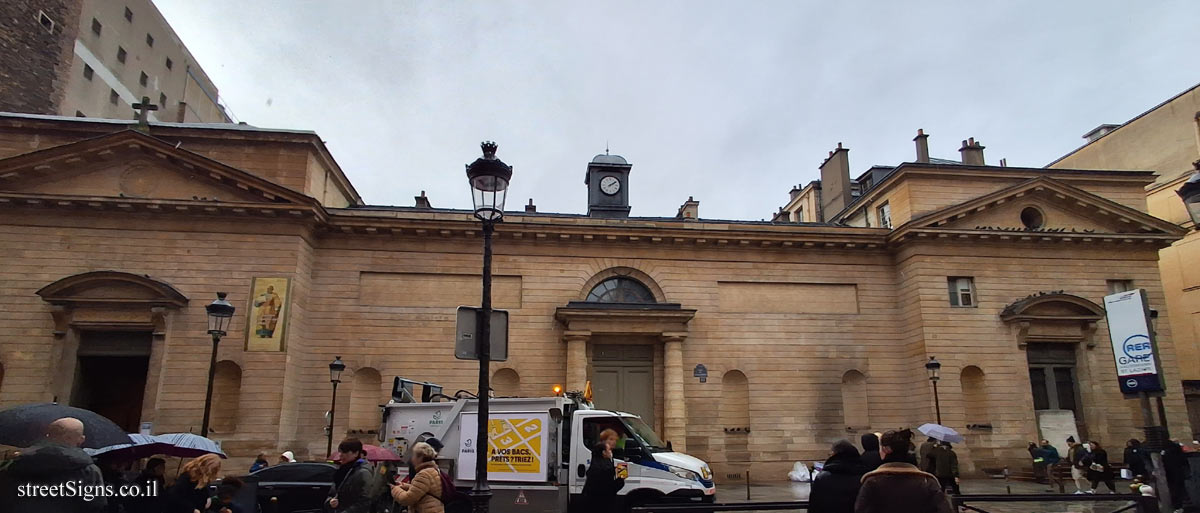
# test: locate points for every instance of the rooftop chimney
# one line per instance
(972, 152)
(1100, 131)
(835, 181)
(423, 201)
(530, 207)
(690, 210)
(922, 141)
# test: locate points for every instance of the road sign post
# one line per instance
(1139, 373)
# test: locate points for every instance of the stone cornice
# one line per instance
(1155, 240)
(451, 225)
(594, 230)
(70, 203)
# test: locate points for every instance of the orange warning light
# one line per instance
(557, 390)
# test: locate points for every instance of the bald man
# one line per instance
(52, 463)
(66, 431)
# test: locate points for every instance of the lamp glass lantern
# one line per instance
(335, 370)
(220, 312)
(489, 177)
(1190, 193)
(934, 368)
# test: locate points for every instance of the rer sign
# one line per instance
(1134, 349)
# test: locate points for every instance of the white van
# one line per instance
(540, 450)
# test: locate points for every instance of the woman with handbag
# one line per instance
(1098, 470)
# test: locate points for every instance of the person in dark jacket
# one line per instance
(259, 463)
(54, 461)
(943, 464)
(351, 481)
(602, 483)
(871, 459)
(1053, 463)
(153, 485)
(1176, 467)
(189, 494)
(835, 488)
(226, 493)
(1098, 468)
(898, 486)
(1135, 458)
(923, 454)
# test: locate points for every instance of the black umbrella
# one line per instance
(25, 425)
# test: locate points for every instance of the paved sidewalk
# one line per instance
(784, 491)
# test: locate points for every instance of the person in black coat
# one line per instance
(835, 488)
(870, 456)
(1098, 468)
(602, 483)
(190, 494)
(153, 484)
(1135, 457)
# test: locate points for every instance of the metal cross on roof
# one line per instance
(143, 107)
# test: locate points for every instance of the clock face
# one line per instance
(610, 185)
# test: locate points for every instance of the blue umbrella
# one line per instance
(187, 445)
(940, 432)
(141, 447)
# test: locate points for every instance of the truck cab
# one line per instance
(656, 472)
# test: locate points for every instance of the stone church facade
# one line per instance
(114, 236)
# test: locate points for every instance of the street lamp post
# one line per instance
(935, 367)
(489, 178)
(220, 312)
(1190, 192)
(335, 376)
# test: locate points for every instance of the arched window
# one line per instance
(974, 390)
(735, 400)
(227, 396)
(506, 383)
(854, 400)
(620, 290)
(365, 397)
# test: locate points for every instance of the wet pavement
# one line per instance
(733, 492)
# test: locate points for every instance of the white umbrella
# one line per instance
(940, 432)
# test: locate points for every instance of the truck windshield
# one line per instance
(648, 437)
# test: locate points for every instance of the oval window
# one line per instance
(1032, 218)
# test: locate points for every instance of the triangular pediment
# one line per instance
(1045, 205)
(130, 164)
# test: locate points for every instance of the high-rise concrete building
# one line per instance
(96, 58)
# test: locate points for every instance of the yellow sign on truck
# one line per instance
(516, 446)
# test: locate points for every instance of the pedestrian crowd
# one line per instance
(890, 475)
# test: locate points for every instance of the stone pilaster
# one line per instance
(576, 359)
(674, 402)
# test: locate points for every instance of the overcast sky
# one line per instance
(731, 102)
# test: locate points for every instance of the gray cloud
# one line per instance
(730, 102)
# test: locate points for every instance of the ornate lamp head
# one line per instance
(489, 149)
(489, 177)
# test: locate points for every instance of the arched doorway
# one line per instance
(1056, 330)
(109, 328)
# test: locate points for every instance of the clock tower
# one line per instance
(607, 179)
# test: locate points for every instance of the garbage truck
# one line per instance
(539, 448)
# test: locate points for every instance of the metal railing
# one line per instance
(1125, 503)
